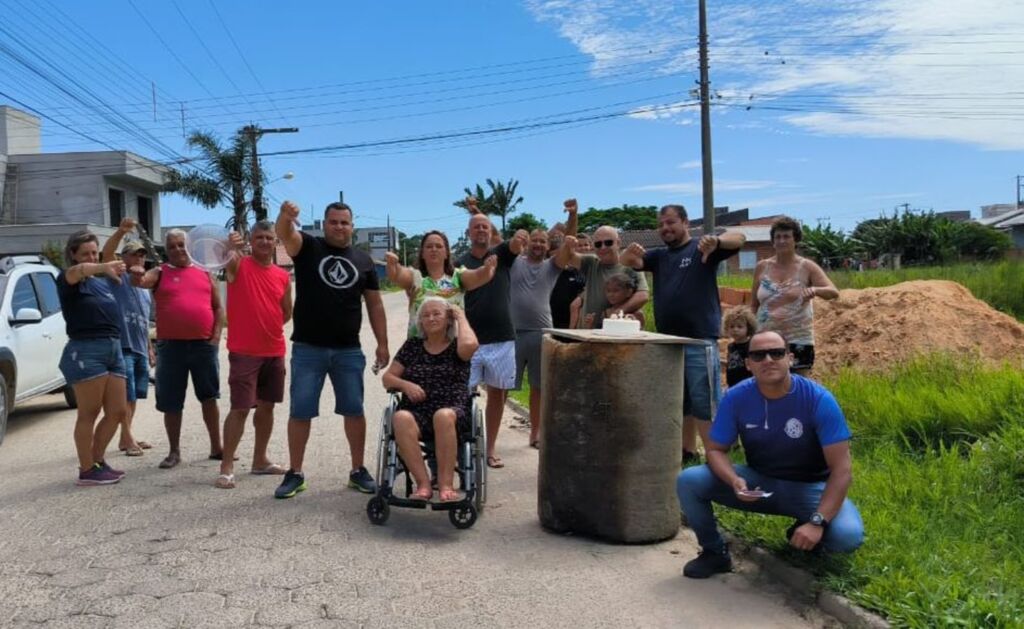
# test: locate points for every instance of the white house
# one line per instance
(44, 197)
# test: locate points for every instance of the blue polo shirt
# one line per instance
(782, 438)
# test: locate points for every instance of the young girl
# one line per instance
(739, 324)
(618, 288)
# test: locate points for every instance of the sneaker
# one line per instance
(360, 480)
(103, 466)
(96, 476)
(690, 458)
(292, 484)
(708, 563)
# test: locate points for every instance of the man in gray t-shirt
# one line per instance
(531, 279)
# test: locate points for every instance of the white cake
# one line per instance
(621, 326)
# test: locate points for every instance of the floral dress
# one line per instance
(444, 377)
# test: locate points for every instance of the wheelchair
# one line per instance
(470, 470)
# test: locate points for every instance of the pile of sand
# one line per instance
(874, 328)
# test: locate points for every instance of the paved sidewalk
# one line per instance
(167, 549)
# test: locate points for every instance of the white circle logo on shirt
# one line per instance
(338, 272)
(794, 428)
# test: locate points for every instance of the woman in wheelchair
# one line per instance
(432, 373)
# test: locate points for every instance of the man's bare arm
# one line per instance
(290, 237)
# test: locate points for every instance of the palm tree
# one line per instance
(501, 201)
(224, 179)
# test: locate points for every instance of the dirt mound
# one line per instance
(874, 328)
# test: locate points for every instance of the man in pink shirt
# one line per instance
(189, 322)
(259, 304)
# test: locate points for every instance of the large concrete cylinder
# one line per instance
(611, 436)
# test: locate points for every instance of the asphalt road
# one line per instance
(167, 549)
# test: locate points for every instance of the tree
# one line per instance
(226, 177)
(526, 221)
(829, 247)
(461, 247)
(625, 217)
(500, 201)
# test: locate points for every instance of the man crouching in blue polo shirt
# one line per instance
(797, 446)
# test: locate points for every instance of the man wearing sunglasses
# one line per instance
(686, 284)
(596, 268)
(797, 447)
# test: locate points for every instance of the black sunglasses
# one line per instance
(603, 243)
(758, 355)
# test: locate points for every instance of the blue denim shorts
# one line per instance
(175, 361)
(136, 368)
(311, 365)
(85, 359)
(702, 382)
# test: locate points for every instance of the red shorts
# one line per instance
(255, 379)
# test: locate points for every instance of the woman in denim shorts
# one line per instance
(92, 363)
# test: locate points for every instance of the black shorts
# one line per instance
(803, 356)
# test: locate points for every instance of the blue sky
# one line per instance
(855, 106)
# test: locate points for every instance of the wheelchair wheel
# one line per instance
(378, 510)
(480, 471)
(463, 516)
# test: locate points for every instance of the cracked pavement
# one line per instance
(164, 548)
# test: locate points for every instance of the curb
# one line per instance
(805, 587)
(802, 583)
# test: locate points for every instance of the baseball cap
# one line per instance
(132, 247)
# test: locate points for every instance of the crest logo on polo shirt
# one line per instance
(685, 262)
(338, 272)
(794, 428)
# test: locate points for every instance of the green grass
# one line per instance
(939, 479)
(999, 284)
(938, 457)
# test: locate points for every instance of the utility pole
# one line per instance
(254, 133)
(1020, 204)
(705, 123)
(341, 196)
(153, 84)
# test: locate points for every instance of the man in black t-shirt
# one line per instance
(686, 304)
(487, 308)
(332, 278)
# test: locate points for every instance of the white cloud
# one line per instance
(932, 69)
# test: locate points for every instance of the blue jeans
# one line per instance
(136, 368)
(702, 382)
(85, 359)
(698, 487)
(311, 365)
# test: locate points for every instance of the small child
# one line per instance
(618, 288)
(739, 324)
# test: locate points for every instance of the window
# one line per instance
(116, 199)
(46, 287)
(146, 214)
(24, 295)
(748, 260)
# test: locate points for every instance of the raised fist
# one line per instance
(391, 257)
(570, 206)
(636, 249)
(290, 210)
(491, 262)
(127, 224)
(236, 241)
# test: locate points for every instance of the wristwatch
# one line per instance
(818, 520)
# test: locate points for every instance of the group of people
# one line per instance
(474, 321)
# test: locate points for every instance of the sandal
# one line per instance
(172, 460)
(449, 495)
(495, 461)
(422, 493)
(145, 445)
(134, 451)
(225, 481)
(271, 469)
